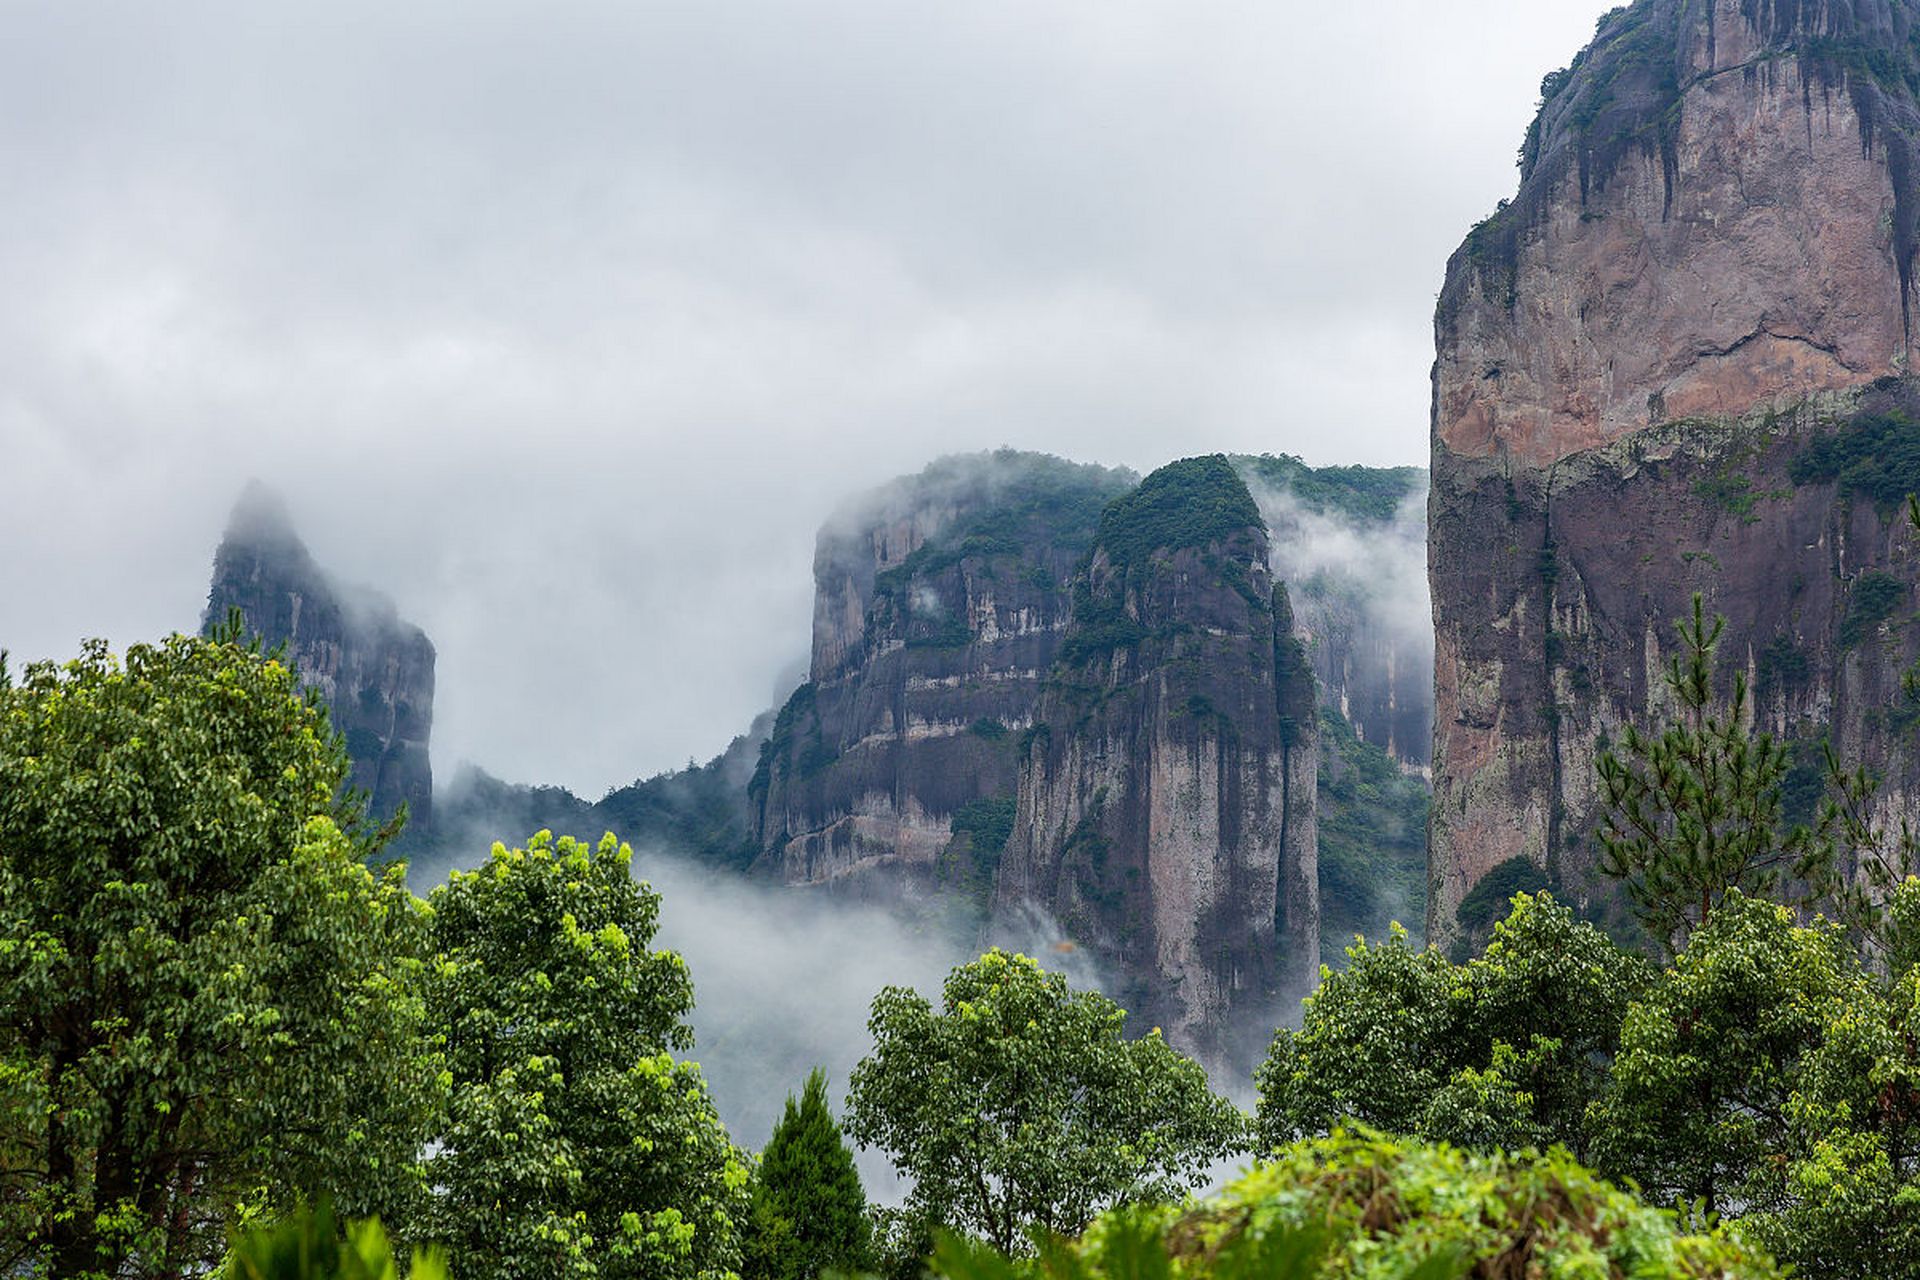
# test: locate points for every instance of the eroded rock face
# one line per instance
(940, 603)
(1166, 802)
(374, 670)
(1707, 266)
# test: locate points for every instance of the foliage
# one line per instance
(1716, 1060)
(697, 811)
(1359, 1206)
(574, 1144)
(1018, 1104)
(1195, 502)
(1506, 1050)
(1372, 829)
(988, 822)
(1365, 495)
(308, 1244)
(208, 1004)
(1875, 455)
(809, 1212)
(798, 722)
(1694, 813)
(1493, 891)
(1871, 600)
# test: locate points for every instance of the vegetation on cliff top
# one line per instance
(1364, 495)
(1195, 502)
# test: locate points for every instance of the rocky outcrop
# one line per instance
(1351, 543)
(940, 604)
(1166, 801)
(373, 670)
(1702, 289)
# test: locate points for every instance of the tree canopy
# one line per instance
(574, 1144)
(809, 1211)
(1019, 1105)
(208, 1004)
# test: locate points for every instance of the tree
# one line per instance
(1505, 1051)
(1697, 1105)
(1694, 813)
(1018, 1105)
(574, 1144)
(208, 1005)
(809, 1212)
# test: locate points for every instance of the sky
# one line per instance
(566, 325)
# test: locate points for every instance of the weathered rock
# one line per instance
(1166, 801)
(373, 670)
(1707, 264)
(939, 608)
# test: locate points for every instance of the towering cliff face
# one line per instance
(940, 603)
(373, 670)
(1166, 798)
(1674, 363)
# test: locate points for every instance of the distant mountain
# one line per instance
(373, 670)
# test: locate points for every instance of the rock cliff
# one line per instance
(940, 604)
(1675, 362)
(1165, 810)
(373, 670)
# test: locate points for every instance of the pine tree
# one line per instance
(809, 1211)
(1695, 812)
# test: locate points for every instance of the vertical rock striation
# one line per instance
(1166, 799)
(373, 670)
(1702, 289)
(940, 603)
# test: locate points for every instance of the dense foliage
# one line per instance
(1359, 1206)
(574, 1144)
(208, 1005)
(1018, 1104)
(1372, 825)
(1506, 1050)
(809, 1212)
(1365, 495)
(1875, 455)
(1195, 502)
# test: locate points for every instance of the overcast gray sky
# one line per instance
(566, 324)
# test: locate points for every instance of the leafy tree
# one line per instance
(1358, 1206)
(809, 1212)
(208, 1004)
(1018, 1104)
(574, 1144)
(1693, 813)
(1697, 1105)
(1504, 1051)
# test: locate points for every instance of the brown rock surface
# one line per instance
(1707, 263)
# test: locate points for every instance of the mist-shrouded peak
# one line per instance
(349, 646)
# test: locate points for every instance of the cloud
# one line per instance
(567, 325)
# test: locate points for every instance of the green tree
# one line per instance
(208, 1005)
(574, 1144)
(1693, 813)
(1019, 1105)
(1697, 1105)
(809, 1212)
(1504, 1051)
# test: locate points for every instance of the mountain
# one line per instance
(373, 670)
(1165, 808)
(1676, 362)
(1043, 698)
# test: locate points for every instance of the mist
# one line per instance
(567, 326)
